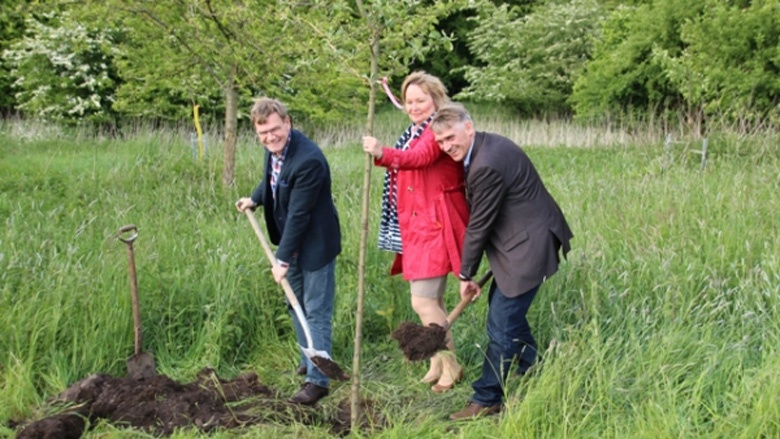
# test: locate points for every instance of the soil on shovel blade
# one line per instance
(329, 368)
(159, 405)
(420, 342)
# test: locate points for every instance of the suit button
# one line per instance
(409, 189)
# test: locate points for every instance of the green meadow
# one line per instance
(663, 323)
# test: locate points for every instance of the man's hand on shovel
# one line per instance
(245, 203)
(279, 271)
(469, 288)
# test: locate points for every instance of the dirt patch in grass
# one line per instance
(159, 405)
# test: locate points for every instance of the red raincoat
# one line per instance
(432, 209)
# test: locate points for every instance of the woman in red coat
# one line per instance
(424, 214)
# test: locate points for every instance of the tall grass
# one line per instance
(663, 323)
(551, 132)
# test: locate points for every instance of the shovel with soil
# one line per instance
(321, 359)
(422, 342)
(140, 364)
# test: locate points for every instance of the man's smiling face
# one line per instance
(273, 132)
(456, 139)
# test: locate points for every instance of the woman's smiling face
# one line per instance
(418, 104)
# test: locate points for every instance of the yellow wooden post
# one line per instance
(199, 130)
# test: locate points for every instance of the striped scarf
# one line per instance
(389, 232)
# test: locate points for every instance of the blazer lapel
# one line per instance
(479, 140)
(287, 166)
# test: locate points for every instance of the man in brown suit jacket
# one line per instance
(520, 227)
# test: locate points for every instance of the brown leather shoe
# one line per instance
(474, 411)
(301, 370)
(309, 394)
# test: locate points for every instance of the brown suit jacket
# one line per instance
(513, 218)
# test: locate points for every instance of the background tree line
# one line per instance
(112, 61)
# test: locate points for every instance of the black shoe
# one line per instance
(301, 370)
(309, 394)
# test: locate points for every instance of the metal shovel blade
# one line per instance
(320, 359)
(141, 365)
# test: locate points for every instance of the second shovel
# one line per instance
(141, 364)
(422, 342)
(321, 359)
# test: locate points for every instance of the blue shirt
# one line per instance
(467, 160)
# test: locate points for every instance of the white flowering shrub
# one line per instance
(65, 70)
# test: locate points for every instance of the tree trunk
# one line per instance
(231, 130)
(355, 407)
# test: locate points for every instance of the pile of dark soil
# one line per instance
(159, 405)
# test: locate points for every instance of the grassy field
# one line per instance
(664, 323)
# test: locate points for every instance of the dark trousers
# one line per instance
(510, 339)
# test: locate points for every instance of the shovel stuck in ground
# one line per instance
(141, 364)
(321, 359)
(422, 342)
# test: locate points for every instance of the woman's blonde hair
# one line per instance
(430, 85)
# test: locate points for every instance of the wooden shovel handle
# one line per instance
(122, 234)
(464, 302)
(288, 291)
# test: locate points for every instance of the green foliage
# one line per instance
(730, 64)
(705, 62)
(156, 93)
(530, 61)
(11, 29)
(712, 60)
(319, 81)
(180, 54)
(447, 63)
(64, 69)
(622, 74)
(338, 35)
(300, 54)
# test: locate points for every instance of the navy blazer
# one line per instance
(302, 221)
(513, 218)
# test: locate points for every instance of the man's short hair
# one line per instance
(265, 107)
(448, 116)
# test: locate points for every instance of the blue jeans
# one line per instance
(509, 338)
(315, 291)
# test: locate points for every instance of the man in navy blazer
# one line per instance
(302, 221)
(517, 223)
